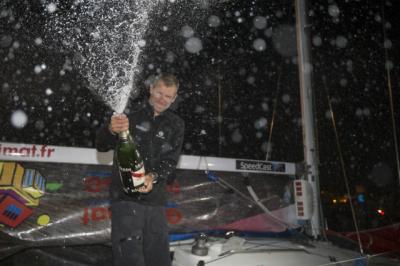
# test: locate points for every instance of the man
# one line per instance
(139, 230)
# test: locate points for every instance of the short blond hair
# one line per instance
(168, 79)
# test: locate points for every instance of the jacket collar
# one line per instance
(150, 110)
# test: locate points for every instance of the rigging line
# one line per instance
(256, 200)
(389, 86)
(219, 119)
(273, 114)
(220, 181)
(345, 177)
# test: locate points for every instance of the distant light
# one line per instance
(343, 200)
(334, 201)
(381, 212)
(361, 198)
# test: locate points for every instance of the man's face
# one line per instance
(161, 96)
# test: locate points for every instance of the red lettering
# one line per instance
(24, 151)
(43, 150)
(100, 213)
(95, 214)
(33, 153)
(49, 151)
(85, 218)
(96, 184)
(10, 151)
(174, 216)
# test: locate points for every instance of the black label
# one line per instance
(260, 166)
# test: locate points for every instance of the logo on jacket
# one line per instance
(160, 135)
(145, 126)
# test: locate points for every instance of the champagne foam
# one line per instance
(106, 37)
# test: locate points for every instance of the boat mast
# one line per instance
(307, 112)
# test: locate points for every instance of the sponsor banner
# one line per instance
(54, 154)
(50, 204)
(72, 155)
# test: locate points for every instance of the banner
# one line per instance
(58, 196)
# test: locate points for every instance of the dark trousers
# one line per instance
(139, 235)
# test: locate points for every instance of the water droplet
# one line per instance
(51, 8)
(214, 21)
(193, 45)
(259, 45)
(260, 22)
(19, 119)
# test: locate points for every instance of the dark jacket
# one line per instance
(159, 140)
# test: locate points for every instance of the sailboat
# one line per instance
(54, 205)
(297, 251)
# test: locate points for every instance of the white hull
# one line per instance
(270, 252)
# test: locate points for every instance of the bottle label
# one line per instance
(124, 169)
(138, 177)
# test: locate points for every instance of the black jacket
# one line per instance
(159, 140)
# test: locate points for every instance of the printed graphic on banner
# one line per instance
(20, 189)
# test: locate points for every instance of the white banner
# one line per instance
(57, 154)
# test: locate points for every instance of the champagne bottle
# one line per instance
(130, 164)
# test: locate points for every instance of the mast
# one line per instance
(307, 113)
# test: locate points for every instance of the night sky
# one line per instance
(239, 96)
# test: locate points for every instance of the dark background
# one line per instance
(236, 101)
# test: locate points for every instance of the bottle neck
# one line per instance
(124, 135)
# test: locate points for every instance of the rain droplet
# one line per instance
(39, 125)
(317, 41)
(142, 43)
(214, 21)
(19, 119)
(259, 45)
(51, 8)
(341, 41)
(236, 136)
(193, 45)
(387, 44)
(260, 22)
(286, 98)
(49, 91)
(38, 41)
(261, 123)
(333, 10)
(37, 69)
(5, 41)
(187, 31)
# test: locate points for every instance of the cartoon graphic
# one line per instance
(19, 188)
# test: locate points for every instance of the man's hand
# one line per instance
(119, 123)
(148, 184)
